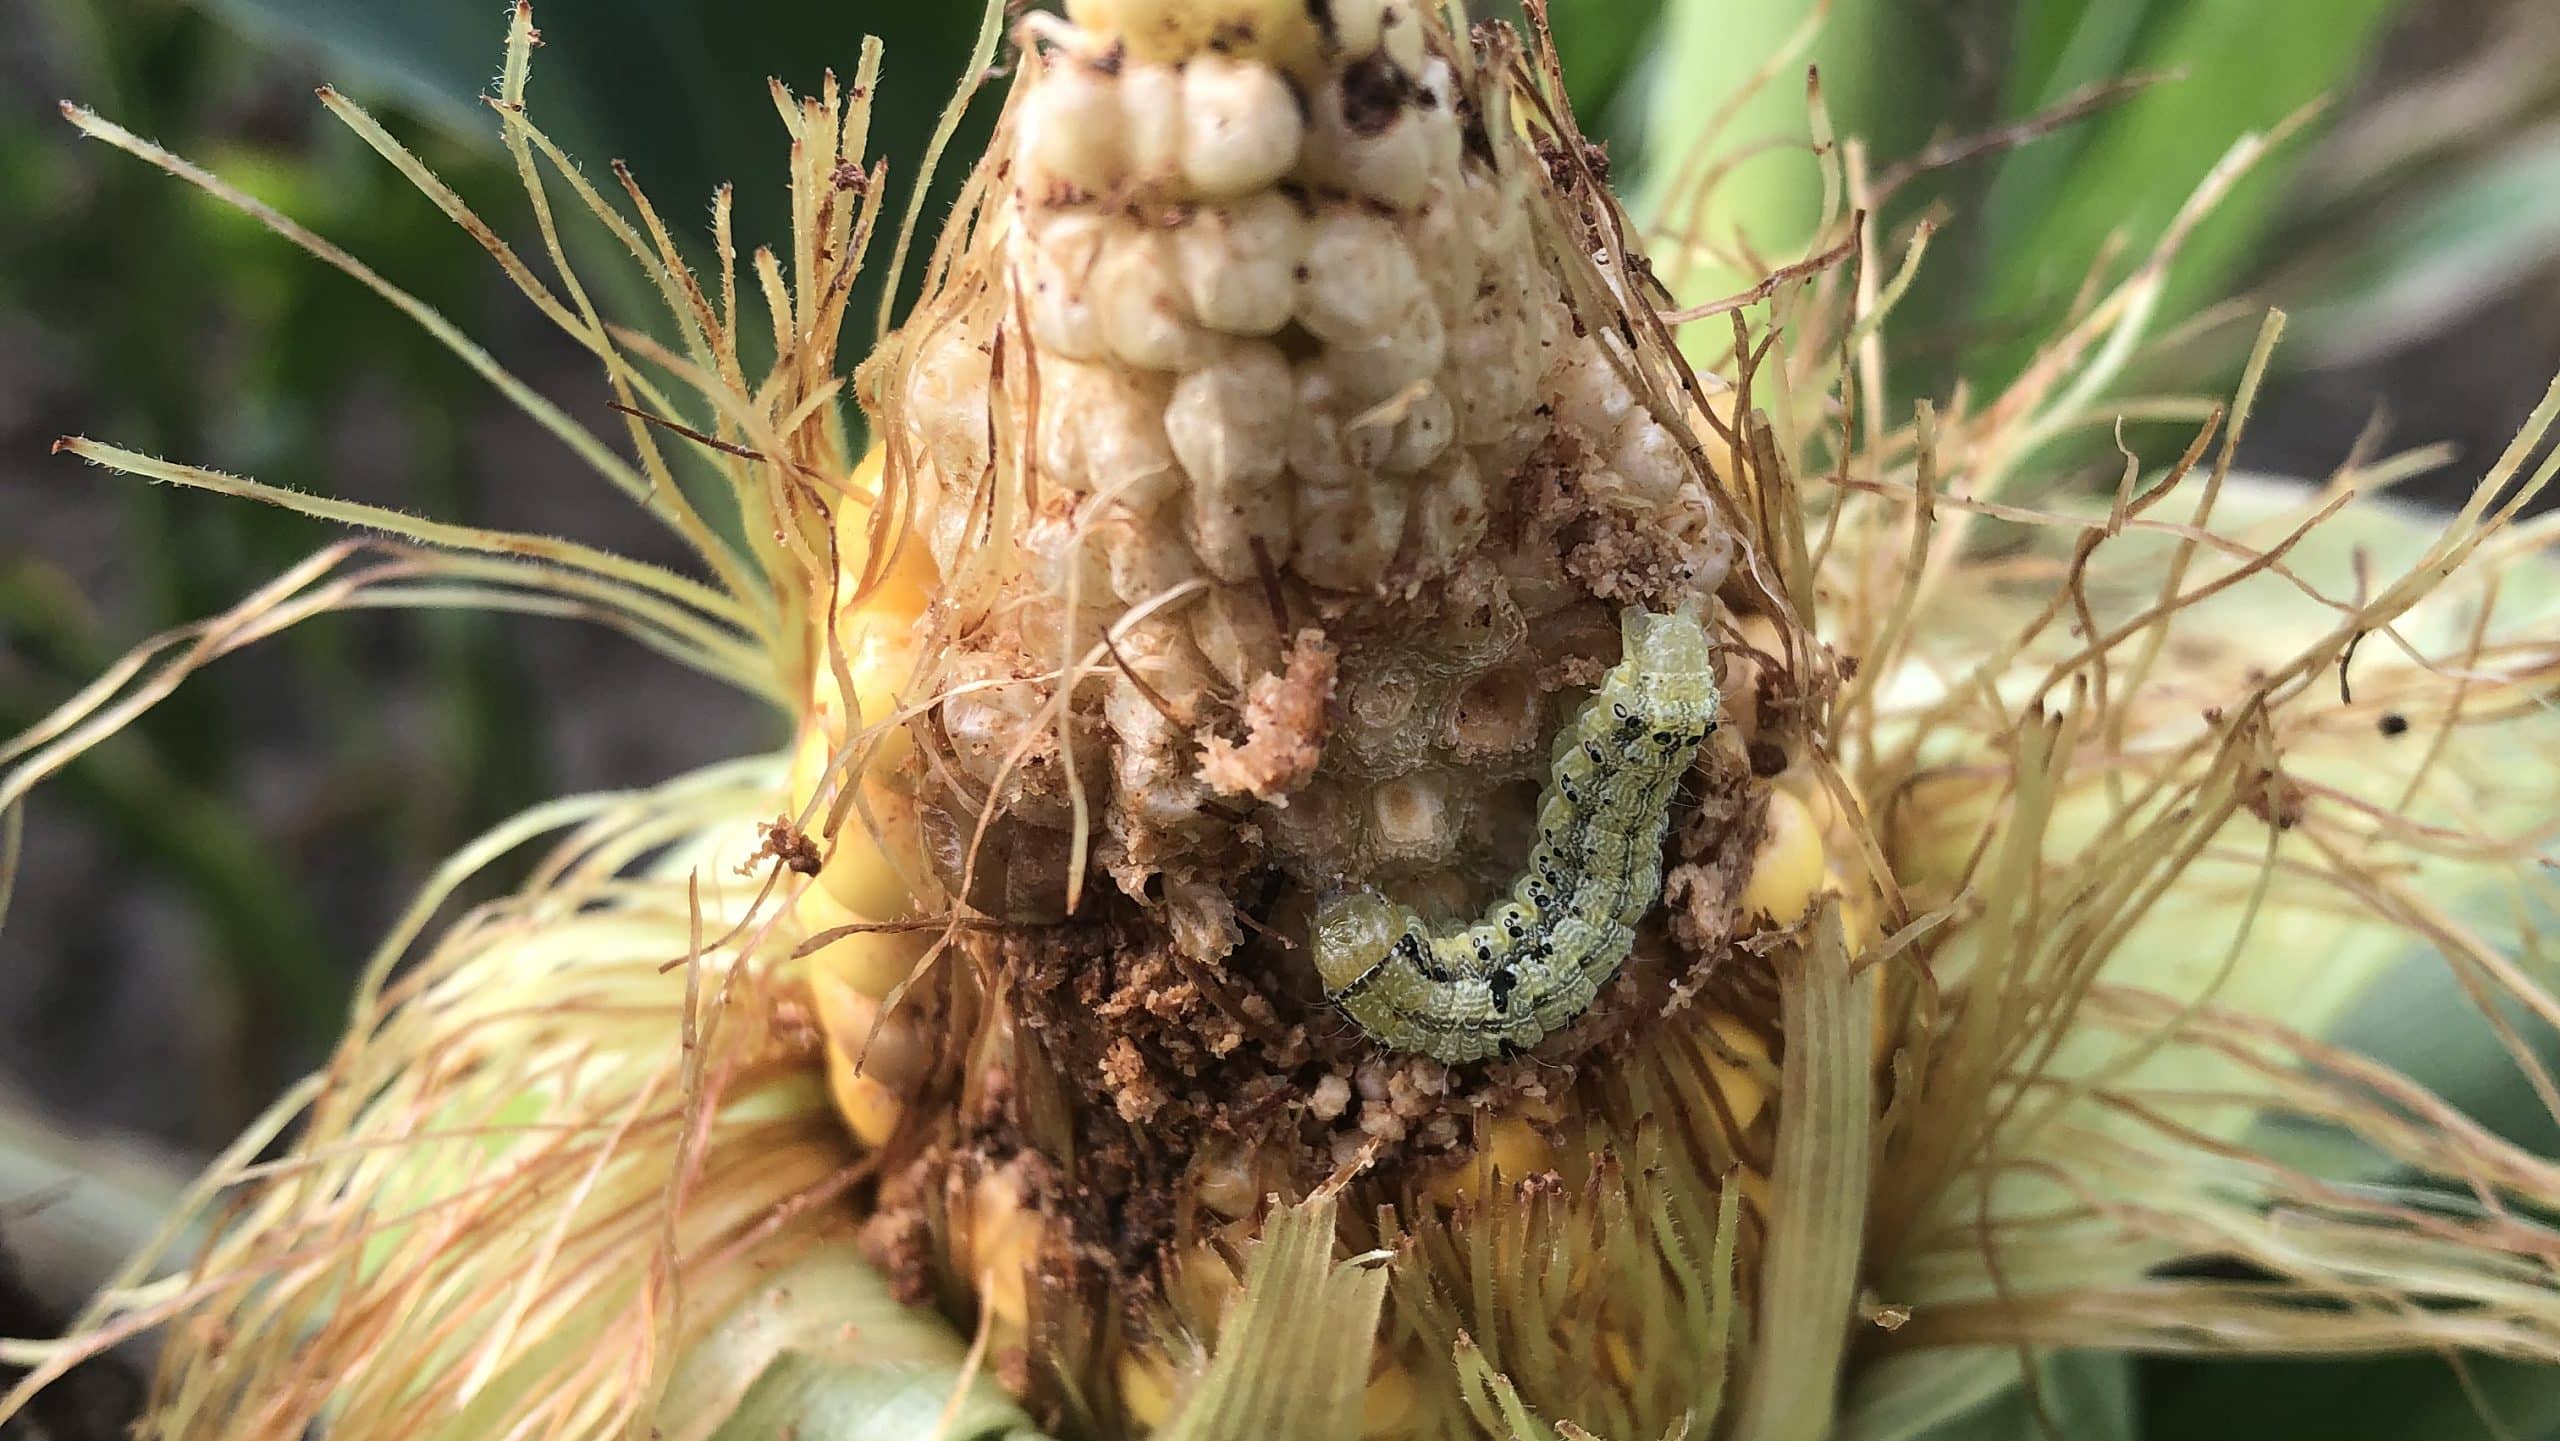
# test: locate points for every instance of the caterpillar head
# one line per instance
(1665, 647)
(1353, 931)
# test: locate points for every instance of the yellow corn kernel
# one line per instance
(1744, 1094)
(1514, 1148)
(1789, 869)
(1201, 1284)
(870, 1110)
(1387, 1406)
(871, 962)
(1618, 1356)
(1147, 1384)
(1003, 1248)
(872, 1061)
(1225, 1180)
(1279, 32)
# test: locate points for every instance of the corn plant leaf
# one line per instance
(2412, 1396)
(2232, 68)
(675, 89)
(1721, 78)
(2440, 255)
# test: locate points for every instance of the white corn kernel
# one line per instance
(1358, 278)
(1240, 127)
(1151, 110)
(1649, 456)
(1146, 553)
(1102, 432)
(1375, 368)
(1069, 132)
(1146, 319)
(1450, 514)
(1370, 144)
(1237, 633)
(1229, 425)
(1347, 535)
(1400, 34)
(1060, 277)
(1239, 263)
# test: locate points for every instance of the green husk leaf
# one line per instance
(1818, 1190)
(823, 1351)
(1293, 1354)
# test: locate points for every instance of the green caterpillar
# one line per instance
(1540, 955)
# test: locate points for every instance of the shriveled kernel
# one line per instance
(1239, 261)
(1147, 554)
(1237, 633)
(950, 379)
(1450, 513)
(1347, 535)
(1418, 818)
(1240, 127)
(1787, 870)
(1070, 129)
(1228, 422)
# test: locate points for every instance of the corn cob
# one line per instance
(1285, 471)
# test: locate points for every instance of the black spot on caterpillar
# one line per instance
(1538, 957)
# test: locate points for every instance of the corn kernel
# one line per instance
(871, 962)
(1240, 127)
(1145, 318)
(1359, 279)
(1147, 1383)
(1514, 1149)
(1744, 1096)
(1238, 263)
(1199, 1287)
(1060, 278)
(1151, 108)
(1226, 1182)
(1228, 423)
(1070, 129)
(1387, 1405)
(1618, 1356)
(1788, 869)
(1003, 1248)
